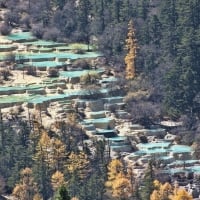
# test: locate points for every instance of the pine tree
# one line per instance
(62, 194)
(42, 165)
(148, 186)
(131, 46)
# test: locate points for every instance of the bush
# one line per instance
(92, 93)
(5, 73)
(79, 36)
(136, 96)
(51, 34)
(145, 113)
(10, 58)
(5, 29)
(3, 4)
(26, 21)
(89, 78)
(52, 72)
(83, 64)
(31, 71)
(12, 18)
(38, 31)
(78, 51)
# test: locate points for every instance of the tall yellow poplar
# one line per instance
(114, 168)
(131, 47)
(43, 148)
(118, 181)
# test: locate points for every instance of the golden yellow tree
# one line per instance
(131, 47)
(74, 198)
(42, 162)
(180, 194)
(121, 187)
(43, 148)
(37, 197)
(27, 188)
(166, 192)
(57, 154)
(57, 180)
(118, 182)
(114, 168)
(162, 191)
(78, 162)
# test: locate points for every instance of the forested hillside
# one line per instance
(167, 34)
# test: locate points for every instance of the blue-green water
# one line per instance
(45, 64)
(180, 149)
(44, 43)
(100, 120)
(72, 74)
(58, 55)
(148, 146)
(20, 36)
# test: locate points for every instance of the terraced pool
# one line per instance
(20, 36)
(47, 64)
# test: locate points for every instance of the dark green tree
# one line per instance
(62, 194)
(147, 185)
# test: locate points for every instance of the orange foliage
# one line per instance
(131, 46)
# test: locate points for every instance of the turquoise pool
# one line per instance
(45, 64)
(156, 145)
(180, 149)
(20, 36)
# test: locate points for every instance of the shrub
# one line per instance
(89, 78)
(3, 4)
(5, 29)
(78, 48)
(5, 73)
(144, 112)
(79, 36)
(52, 72)
(83, 64)
(38, 31)
(10, 58)
(26, 21)
(31, 71)
(51, 34)
(12, 18)
(136, 96)
(78, 51)
(92, 92)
